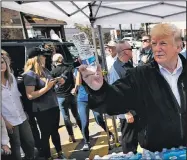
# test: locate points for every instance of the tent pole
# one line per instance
(105, 67)
(120, 31)
(92, 20)
(94, 42)
(25, 33)
(131, 30)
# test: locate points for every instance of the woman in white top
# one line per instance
(14, 116)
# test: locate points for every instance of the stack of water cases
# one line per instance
(166, 154)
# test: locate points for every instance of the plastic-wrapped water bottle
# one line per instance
(148, 155)
(174, 153)
(136, 157)
(157, 155)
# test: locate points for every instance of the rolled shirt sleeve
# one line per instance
(29, 78)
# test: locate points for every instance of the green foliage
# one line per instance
(87, 29)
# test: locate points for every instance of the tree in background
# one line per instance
(87, 29)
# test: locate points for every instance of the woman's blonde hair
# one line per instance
(7, 73)
(5, 54)
(35, 65)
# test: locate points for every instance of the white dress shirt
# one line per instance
(4, 136)
(172, 78)
(110, 61)
(12, 109)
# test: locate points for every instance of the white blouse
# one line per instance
(12, 109)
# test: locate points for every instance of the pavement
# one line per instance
(98, 140)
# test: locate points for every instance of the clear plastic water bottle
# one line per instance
(86, 54)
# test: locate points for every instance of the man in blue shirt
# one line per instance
(118, 70)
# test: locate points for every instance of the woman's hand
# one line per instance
(50, 83)
(129, 117)
(61, 81)
(6, 149)
(73, 91)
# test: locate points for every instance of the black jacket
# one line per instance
(162, 122)
(67, 71)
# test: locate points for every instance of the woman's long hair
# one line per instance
(7, 73)
(35, 65)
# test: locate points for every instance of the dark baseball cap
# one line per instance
(37, 51)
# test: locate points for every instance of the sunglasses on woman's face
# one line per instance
(145, 40)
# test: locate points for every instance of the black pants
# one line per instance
(129, 136)
(34, 128)
(48, 122)
(22, 137)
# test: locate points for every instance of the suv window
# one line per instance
(72, 49)
(17, 61)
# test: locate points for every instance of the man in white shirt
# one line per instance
(110, 59)
(158, 99)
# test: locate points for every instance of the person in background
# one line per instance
(83, 109)
(146, 53)
(129, 119)
(110, 59)
(27, 104)
(66, 100)
(14, 116)
(183, 52)
(39, 88)
(5, 54)
(155, 91)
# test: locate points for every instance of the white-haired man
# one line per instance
(66, 100)
(156, 91)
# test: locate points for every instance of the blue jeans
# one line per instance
(65, 104)
(84, 116)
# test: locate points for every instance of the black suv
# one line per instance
(17, 50)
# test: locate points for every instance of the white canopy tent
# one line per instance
(103, 12)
